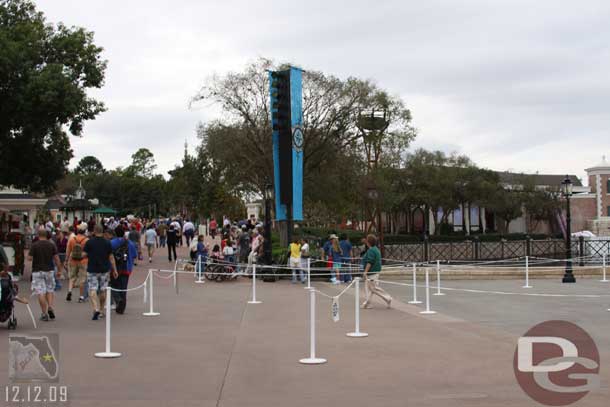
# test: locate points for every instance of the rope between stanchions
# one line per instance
(131, 289)
(338, 295)
(503, 292)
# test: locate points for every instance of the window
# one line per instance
(608, 209)
(608, 186)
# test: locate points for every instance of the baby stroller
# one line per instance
(7, 301)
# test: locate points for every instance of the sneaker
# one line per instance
(69, 296)
(101, 315)
(44, 317)
(336, 282)
(390, 303)
(51, 314)
(149, 260)
(366, 305)
(81, 299)
(96, 316)
(333, 280)
(113, 306)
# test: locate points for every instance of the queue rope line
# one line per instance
(499, 292)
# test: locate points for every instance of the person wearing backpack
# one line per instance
(125, 252)
(77, 262)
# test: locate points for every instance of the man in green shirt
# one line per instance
(372, 267)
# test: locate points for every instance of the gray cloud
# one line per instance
(514, 84)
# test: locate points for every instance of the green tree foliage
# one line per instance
(45, 71)
(89, 165)
(142, 164)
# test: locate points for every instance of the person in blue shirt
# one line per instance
(202, 254)
(125, 253)
(346, 258)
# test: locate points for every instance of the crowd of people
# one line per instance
(95, 256)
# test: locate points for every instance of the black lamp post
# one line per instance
(267, 242)
(566, 190)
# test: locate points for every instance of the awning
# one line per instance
(105, 211)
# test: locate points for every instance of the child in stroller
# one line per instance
(8, 296)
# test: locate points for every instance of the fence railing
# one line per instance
(475, 250)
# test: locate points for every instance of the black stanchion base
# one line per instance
(568, 278)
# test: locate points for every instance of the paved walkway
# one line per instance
(210, 348)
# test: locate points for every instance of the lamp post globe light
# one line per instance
(267, 242)
(566, 191)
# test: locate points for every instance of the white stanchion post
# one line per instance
(604, 279)
(254, 301)
(438, 279)
(527, 273)
(108, 353)
(199, 274)
(357, 333)
(151, 312)
(428, 310)
(414, 286)
(308, 273)
(312, 359)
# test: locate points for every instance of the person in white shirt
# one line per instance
(150, 238)
(304, 254)
(257, 241)
(188, 230)
(65, 225)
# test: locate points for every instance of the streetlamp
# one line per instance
(267, 242)
(566, 191)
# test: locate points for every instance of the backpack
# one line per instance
(193, 247)
(77, 249)
(121, 255)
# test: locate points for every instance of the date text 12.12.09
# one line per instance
(35, 395)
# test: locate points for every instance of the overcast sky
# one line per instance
(516, 85)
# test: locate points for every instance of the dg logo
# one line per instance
(557, 363)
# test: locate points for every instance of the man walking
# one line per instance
(77, 262)
(188, 230)
(100, 261)
(150, 238)
(125, 253)
(43, 254)
(372, 268)
(162, 233)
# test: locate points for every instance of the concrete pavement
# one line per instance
(210, 348)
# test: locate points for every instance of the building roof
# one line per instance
(16, 196)
(603, 165)
(77, 204)
(512, 178)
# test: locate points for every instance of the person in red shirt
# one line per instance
(213, 227)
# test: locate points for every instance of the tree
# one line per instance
(507, 204)
(540, 204)
(142, 164)
(45, 72)
(89, 165)
(239, 146)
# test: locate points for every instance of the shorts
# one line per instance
(295, 262)
(43, 282)
(78, 274)
(97, 281)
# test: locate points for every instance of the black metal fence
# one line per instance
(475, 250)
